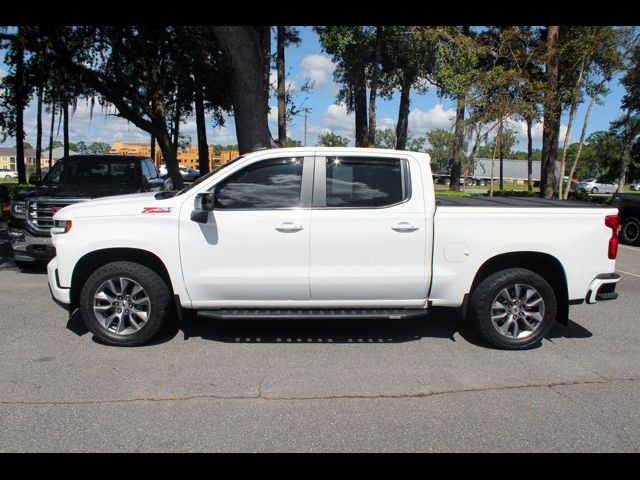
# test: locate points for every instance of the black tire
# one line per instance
(155, 287)
(594, 190)
(630, 232)
(482, 299)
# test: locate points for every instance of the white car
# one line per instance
(330, 232)
(635, 187)
(593, 185)
(187, 172)
(8, 174)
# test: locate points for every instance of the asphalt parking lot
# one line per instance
(420, 385)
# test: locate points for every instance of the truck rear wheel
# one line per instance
(513, 309)
(630, 232)
(125, 303)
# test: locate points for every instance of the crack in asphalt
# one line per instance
(261, 396)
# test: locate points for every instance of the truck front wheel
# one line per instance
(125, 303)
(513, 309)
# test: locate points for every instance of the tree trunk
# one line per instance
(551, 117)
(176, 125)
(403, 116)
(575, 161)
(565, 145)
(169, 156)
(266, 72)
(153, 148)
(39, 132)
(282, 91)
(245, 58)
(632, 131)
(201, 128)
(454, 185)
(65, 127)
(53, 123)
(501, 153)
(20, 101)
(374, 88)
(529, 156)
(360, 94)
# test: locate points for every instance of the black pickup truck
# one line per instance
(72, 179)
(629, 210)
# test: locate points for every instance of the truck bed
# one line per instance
(519, 202)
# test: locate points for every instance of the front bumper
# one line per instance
(603, 287)
(28, 248)
(60, 295)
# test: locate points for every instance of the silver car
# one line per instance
(593, 185)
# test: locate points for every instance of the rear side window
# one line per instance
(273, 183)
(365, 182)
(145, 171)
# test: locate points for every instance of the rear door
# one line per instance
(368, 231)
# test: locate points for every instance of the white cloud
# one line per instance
(317, 68)
(436, 117)
(337, 119)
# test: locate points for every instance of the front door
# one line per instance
(254, 250)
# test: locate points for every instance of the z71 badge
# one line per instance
(156, 209)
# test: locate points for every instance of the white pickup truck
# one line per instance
(329, 232)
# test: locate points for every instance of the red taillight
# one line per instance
(613, 222)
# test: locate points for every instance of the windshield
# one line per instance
(204, 177)
(93, 171)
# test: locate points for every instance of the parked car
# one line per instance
(73, 179)
(188, 173)
(330, 232)
(629, 210)
(593, 185)
(635, 187)
(4, 173)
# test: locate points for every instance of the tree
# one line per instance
(407, 58)
(589, 56)
(285, 36)
(631, 104)
(14, 97)
(245, 55)
(441, 148)
(352, 49)
(331, 139)
(551, 116)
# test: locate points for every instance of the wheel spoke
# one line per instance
(116, 307)
(517, 311)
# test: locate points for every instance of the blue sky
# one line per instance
(308, 61)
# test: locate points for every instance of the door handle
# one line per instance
(289, 227)
(404, 227)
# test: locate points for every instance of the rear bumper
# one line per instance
(603, 287)
(60, 295)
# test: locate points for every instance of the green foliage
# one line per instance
(92, 148)
(513, 193)
(293, 143)
(331, 139)
(450, 193)
(441, 145)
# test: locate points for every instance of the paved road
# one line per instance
(317, 385)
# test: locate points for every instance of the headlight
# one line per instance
(61, 226)
(19, 209)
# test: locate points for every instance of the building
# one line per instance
(8, 158)
(187, 157)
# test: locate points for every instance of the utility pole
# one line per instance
(306, 110)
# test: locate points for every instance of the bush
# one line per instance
(513, 193)
(447, 193)
(585, 197)
(8, 191)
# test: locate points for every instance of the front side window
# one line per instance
(94, 171)
(272, 183)
(364, 182)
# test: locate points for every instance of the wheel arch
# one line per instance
(96, 259)
(544, 264)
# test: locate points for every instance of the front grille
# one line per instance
(41, 212)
